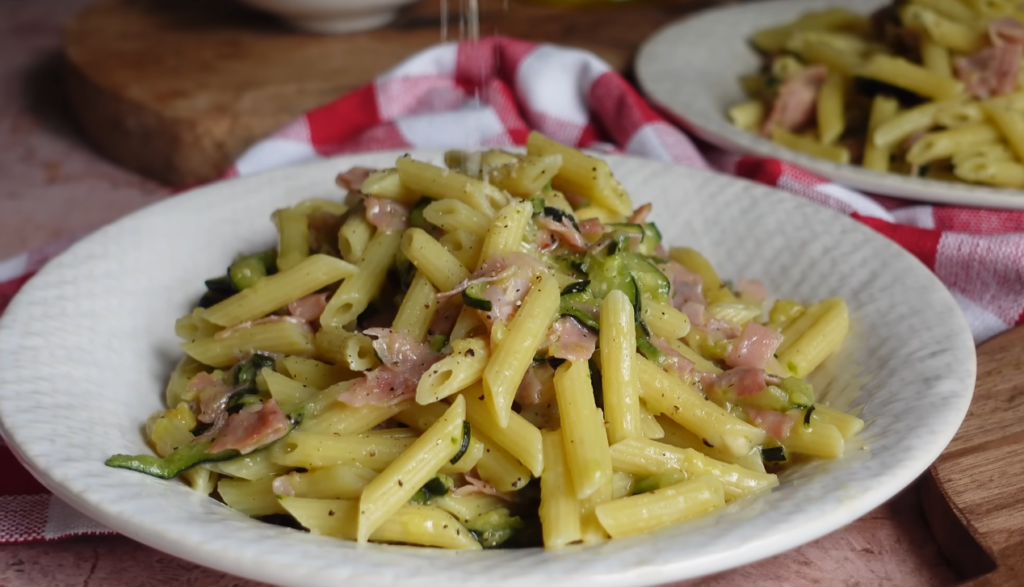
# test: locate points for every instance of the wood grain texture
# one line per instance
(176, 90)
(973, 499)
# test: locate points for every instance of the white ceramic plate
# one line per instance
(86, 347)
(691, 68)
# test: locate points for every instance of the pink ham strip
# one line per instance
(404, 360)
(247, 431)
(211, 395)
(1006, 31)
(309, 308)
(687, 286)
(742, 381)
(775, 424)
(679, 364)
(639, 215)
(353, 178)
(386, 215)
(568, 339)
(752, 290)
(990, 72)
(565, 231)
(755, 346)
(591, 227)
(475, 486)
(794, 107)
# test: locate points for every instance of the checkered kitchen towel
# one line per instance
(491, 94)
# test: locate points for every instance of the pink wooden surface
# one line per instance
(52, 185)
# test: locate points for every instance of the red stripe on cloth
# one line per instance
(17, 479)
(619, 108)
(923, 243)
(766, 171)
(978, 221)
(9, 288)
(343, 119)
(379, 138)
(503, 101)
(988, 270)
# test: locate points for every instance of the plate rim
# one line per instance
(629, 576)
(722, 134)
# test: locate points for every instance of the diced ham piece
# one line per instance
(591, 227)
(445, 317)
(565, 231)
(990, 72)
(674, 362)
(404, 360)
(687, 286)
(755, 346)
(353, 178)
(795, 105)
(211, 395)
(639, 215)
(247, 430)
(309, 308)
(715, 329)
(568, 339)
(536, 386)
(752, 290)
(511, 276)
(386, 215)
(742, 381)
(775, 424)
(1006, 31)
(476, 486)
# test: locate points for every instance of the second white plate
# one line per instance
(691, 68)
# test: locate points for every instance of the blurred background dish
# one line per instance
(332, 16)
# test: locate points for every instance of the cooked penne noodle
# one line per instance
(507, 231)
(559, 506)
(583, 435)
(830, 106)
(520, 438)
(513, 356)
(459, 370)
(643, 457)
(665, 394)
(390, 490)
(452, 215)
(228, 346)
(433, 260)
(355, 293)
(621, 392)
(353, 237)
(662, 507)
(386, 183)
(437, 183)
(583, 175)
(277, 291)
(293, 238)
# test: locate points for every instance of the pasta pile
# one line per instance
(500, 353)
(928, 88)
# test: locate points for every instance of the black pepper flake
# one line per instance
(481, 398)
(706, 443)
(330, 513)
(470, 353)
(400, 484)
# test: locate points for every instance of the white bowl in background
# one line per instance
(86, 347)
(332, 17)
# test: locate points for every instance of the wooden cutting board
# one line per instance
(973, 496)
(176, 89)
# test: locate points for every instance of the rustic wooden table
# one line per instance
(53, 185)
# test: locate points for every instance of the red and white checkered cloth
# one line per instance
(491, 94)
